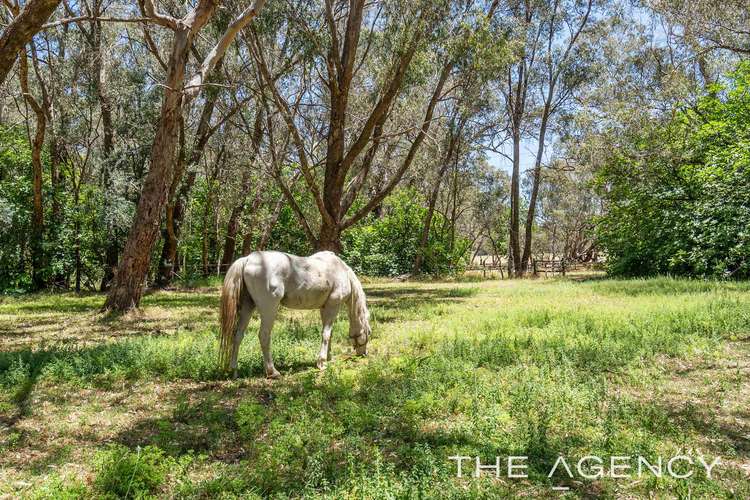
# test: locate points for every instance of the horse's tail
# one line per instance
(231, 292)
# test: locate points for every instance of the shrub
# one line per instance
(124, 473)
(387, 245)
(678, 195)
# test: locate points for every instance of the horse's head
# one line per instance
(360, 336)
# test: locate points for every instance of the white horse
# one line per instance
(265, 280)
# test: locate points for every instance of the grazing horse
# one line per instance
(265, 280)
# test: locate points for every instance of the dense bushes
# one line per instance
(387, 245)
(80, 220)
(678, 196)
(15, 208)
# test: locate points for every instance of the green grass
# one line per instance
(534, 368)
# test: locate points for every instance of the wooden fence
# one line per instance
(549, 267)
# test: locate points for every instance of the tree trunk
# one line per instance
(177, 199)
(136, 256)
(37, 170)
(204, 238)
(537, 177)
(514, 244)
(230, 241)
(131, 273)
(77, 235)
(330, 237)
(175, 212)
(454, 207)
(272, 222)
(112, 250)
(209, 240)
(427, 224)
(21, 30)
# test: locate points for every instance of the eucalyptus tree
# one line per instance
(708, 25)
(367, 61)
(134, 263)
(471, 118)
(209, 123)
(38, 261)
(553, 49)
(24, 24)
(567, 63)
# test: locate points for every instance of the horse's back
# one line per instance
(297, 282)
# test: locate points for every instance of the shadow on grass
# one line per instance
(183, 299)
(393, 304)
(664, 286)
(318, 423)
(68, 304)
(342, 421)
(61, 304)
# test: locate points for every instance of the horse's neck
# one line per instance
(355, 297)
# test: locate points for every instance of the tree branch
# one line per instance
(412, 150)
(69, 20)
(217, 52)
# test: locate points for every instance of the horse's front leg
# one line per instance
(328, 316)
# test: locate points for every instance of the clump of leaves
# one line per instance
(126, 473)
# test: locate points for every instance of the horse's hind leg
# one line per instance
(328, 316)
(246, 310)
(267, 318)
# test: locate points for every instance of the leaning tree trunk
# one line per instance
(266, 235)
(112, 250)
(131, 273)
(21, 30)
(37, 220)
(136, 256)
(175, 213)
(536, 181)
(175, 210)
(230, 241)
(427, 224)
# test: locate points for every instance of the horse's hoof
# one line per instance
(273, 375)
(321, 364)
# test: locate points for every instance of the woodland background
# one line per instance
(148, 144)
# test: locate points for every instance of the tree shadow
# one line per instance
(663, 286)
(394, 304)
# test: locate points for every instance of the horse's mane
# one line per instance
(357, 301)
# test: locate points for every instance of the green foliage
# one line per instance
(86, 218)
(387, 245)
(678, 196)
(287, 234)
(125, 473)
(15, 208)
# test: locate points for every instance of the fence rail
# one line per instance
(546, 266)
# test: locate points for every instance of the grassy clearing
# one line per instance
(134, 406)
